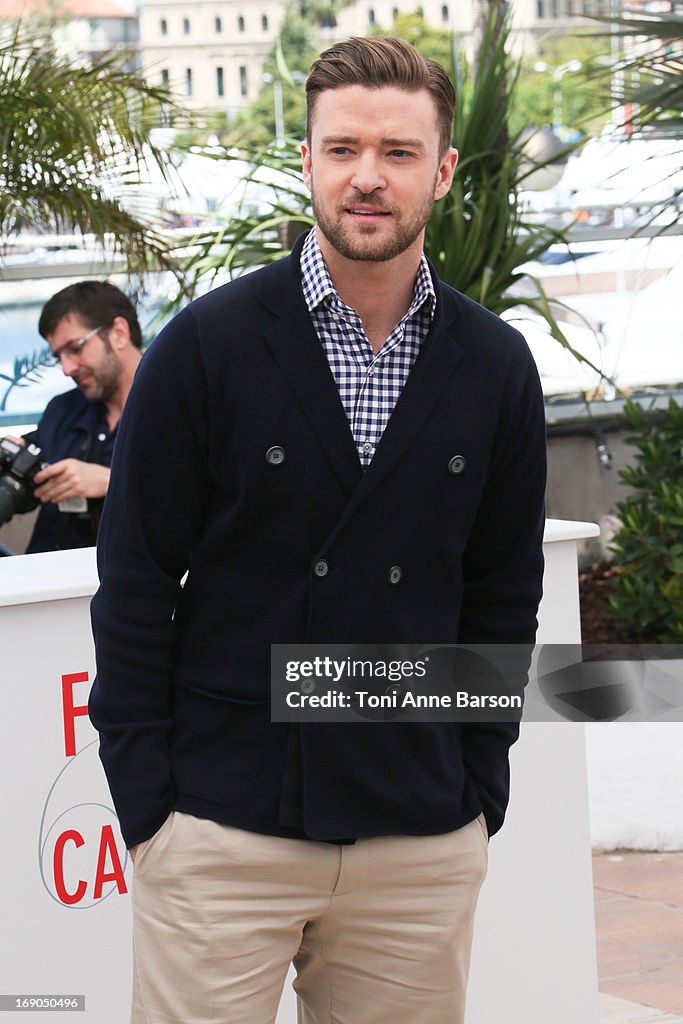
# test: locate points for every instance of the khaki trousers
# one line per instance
(379, 932)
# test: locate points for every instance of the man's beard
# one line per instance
(370, 248)
(105, 380)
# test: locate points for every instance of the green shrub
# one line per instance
(647, 595)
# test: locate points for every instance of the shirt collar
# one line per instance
(318, 287)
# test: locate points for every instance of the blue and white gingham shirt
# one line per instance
(369, 383)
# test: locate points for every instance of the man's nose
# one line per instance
(69, 364)
(368, 175)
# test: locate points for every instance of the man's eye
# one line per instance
(399, 152)
(340, 150)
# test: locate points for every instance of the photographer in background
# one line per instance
(93, 331)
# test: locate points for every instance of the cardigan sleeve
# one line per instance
(152, 515)
(503, 572)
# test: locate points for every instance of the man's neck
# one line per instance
(114, 405)
(380, 292)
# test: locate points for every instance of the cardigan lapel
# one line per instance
(297, 350)
(427, 381)
(301, 358)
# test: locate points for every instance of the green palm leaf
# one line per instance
(71, 136)
(648, 77)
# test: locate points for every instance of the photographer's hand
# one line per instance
(71, 478)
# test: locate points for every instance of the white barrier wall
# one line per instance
(64, 886)
(634, 772)
(534, 957)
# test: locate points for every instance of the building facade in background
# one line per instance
(82, 29)
(211, 52)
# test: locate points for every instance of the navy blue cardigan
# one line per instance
(183, 673)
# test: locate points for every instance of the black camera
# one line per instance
(18, 467)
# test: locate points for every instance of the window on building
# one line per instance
(420, 11)
(371, 16)
(220, 82)
(163, 26)
(394, 13)
(164, 76)
(218, 25)
(264, 22)
(186, 26)
(188, 81)
(444, 13)
(554, 9)
(540, 8)
(240, 24)
(244, 82)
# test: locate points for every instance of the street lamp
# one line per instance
(277, 105)
(558, 74)
(296, 77)
(544, 159)
(616, 87)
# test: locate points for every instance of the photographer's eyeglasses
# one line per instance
(72, 348)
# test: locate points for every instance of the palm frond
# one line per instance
(477, 237)
(67, 131)
(648, 76)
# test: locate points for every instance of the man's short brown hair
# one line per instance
(97, 303)
(382, 61)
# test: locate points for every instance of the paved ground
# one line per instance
(639, 919)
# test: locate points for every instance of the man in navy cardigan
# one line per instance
(337, 448)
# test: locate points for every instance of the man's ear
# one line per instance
(306, 163)
(444, 178)
(119, 333)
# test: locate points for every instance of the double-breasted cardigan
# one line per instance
(181, 697)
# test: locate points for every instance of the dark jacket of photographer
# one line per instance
(72, 427)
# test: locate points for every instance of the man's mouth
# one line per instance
(366, 212)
